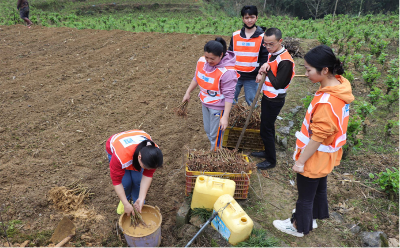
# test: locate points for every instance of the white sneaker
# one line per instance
(314, 221)
(286, 227)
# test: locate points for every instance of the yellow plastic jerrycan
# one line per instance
(208, 189)
(232, 222)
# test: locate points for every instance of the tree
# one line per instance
(317, 7)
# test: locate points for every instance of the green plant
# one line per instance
(387, 180)
(353, 129)
(203, 213)
(364, 108)
(307, 100)
(389, 125)
(375, 95)
(369, 74)
(259, 238)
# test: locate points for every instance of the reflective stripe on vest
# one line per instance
(247, 51)
(267, 88)
(209, 82)
(339, 108)
(124, 144)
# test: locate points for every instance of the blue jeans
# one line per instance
(131, 182)
(250, 89)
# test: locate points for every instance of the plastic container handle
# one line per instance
(218, 184)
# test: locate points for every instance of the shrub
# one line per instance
(388, 181)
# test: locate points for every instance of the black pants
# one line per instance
(312, 202)
(269, 112)
(24, 12)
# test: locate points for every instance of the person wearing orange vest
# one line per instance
(216, 77)
(280, 72)
(133, 158)
(246, 43)
(320, 140)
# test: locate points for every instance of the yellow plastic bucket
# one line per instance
(143, 236)
(208, 189)
(232, 222)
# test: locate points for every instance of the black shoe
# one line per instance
(265, 165)
(258, 154)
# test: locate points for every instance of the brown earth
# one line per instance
(64, 91)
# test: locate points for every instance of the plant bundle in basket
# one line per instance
(181, 110)
(222, 160)
(239, 113)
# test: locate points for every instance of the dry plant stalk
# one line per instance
(136, 218)
(222, 160)
(181, 110)
(69, 197)
(238, 116)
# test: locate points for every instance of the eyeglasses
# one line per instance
(269, 44)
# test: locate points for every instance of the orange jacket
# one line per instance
(246, 51)
(209, 82)
(268, 89)
(326, 122)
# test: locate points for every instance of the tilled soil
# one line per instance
(65, 91)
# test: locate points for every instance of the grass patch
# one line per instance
(203, 213)
(259, 238)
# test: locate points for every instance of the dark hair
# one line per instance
(249, 9)
(216, 47)
(323, 56)
(274, 31)
(152, 156)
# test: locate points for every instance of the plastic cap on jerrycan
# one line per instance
(208, 189)
(232, 222)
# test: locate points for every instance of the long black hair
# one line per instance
(323, 56)
(152, 156)
(216, 47)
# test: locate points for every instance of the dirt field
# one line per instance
(64, 91)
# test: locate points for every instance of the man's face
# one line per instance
(249, 20)
(272, 44)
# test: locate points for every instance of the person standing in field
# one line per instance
(320, 140)
(23, 7)
(246, 43)
(216, 77)
(280, 72)
(133, 158)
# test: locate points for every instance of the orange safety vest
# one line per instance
(124, 144)
(209, 82)
(339, 108)
(246, 51)
(267, 88)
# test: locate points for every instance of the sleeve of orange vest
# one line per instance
(324, 124)
(283, 75)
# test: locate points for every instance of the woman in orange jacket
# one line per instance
(319, 143)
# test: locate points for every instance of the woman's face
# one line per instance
(312, 73)
(140, 162)
(212, 59)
